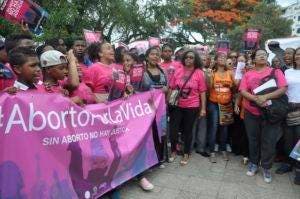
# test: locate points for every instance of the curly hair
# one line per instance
(197, 59)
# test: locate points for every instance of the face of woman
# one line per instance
(221, 60)
(153, 57)
(276, 62)
(261, 57)
(288, 56)
(229, 63)
(297, 58)
(189, 59)
(107, 52)
(249, 64)
(167, 53)
(128, 62)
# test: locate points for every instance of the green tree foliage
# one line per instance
(266, 17)
(128, 20)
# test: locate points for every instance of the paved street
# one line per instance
(202, 180)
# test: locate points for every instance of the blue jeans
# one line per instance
(213, 124)
(200, 133)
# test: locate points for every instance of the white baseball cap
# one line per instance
(52, 58)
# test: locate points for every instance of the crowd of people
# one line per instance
(215, 101)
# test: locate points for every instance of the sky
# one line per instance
(284, 3)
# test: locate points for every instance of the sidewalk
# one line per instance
(201, 179)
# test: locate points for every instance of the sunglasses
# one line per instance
(189, 57)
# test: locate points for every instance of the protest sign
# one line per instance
(154, 41)
(92, 36)
(24, 11)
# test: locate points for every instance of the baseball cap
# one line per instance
(52, 58)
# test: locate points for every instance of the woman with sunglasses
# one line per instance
(190, 81)
(262, 134)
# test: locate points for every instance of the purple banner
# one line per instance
(51, 148)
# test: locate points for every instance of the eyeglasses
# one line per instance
(233, 56)
(262, 54)
(229, 63)
(189, 57)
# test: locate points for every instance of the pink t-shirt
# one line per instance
(99, 78)
(85, 93)
(190, 96)
(170, 68)
(84, 69)
(117, 66)
(252, 79)
(42, 88)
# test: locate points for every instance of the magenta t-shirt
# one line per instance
(85, 93)
(58, 88)
(170, 68)
(84, 69)
(99, 78)
(252, 79)
(190, 96)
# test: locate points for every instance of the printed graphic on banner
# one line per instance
(295, 154)
(65, 151)
(251, 38)
(18, 11)
(140, 46)
(92, 36)
(153, 41)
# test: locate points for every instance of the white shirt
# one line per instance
(22, 86)
(293, 80)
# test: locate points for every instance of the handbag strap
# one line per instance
(186, 81)
(270, 76)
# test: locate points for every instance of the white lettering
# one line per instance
(87, 118)
(11, 121)
(32, 117)
(50, 121)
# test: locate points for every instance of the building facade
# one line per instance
(293, 12)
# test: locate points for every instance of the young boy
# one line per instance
(61, 76)
(55, 69)
(25, 64)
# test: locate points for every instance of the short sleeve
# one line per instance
(88, 78)
(202, 83)
(281, 81)
(173, 80)
(244, 84)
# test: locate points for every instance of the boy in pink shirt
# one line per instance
(59, 77)
(55, 69)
